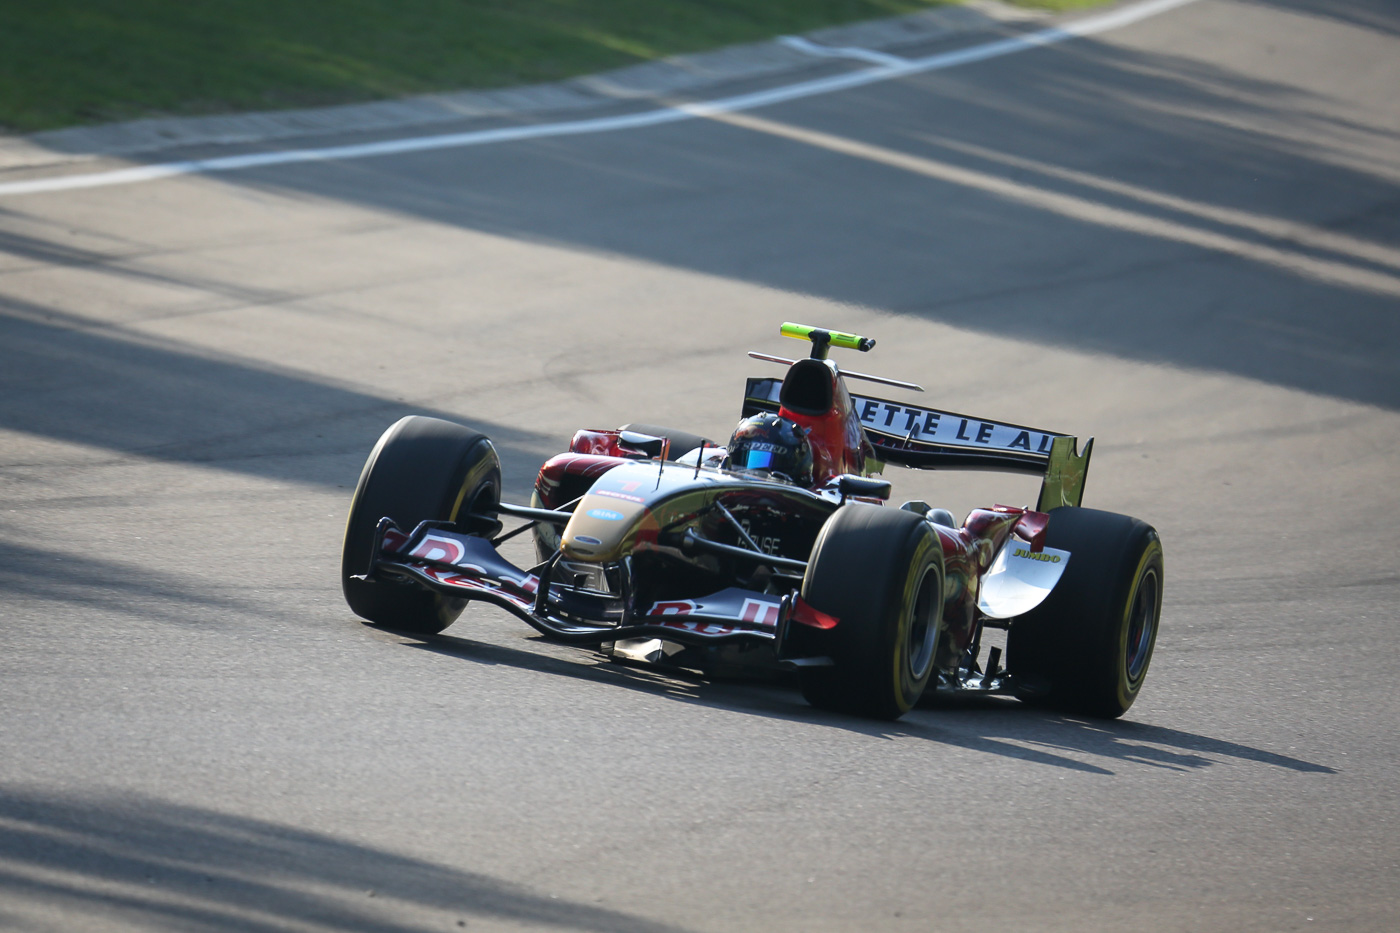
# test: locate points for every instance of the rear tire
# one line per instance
(880, 572)
(422, 468)
(1086, 649)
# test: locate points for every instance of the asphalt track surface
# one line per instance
(1181, 237)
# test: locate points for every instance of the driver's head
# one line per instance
(772, 445)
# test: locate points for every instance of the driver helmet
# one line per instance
(773, 445)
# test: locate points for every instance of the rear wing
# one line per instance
(929, 439)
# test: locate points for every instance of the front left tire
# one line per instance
(880, 572)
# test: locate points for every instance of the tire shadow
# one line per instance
(993, 725)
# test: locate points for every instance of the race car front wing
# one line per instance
(469, 567)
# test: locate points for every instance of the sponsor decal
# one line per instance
(1020, 579)
(456, 579)
(436, 548)
(699, 628)
(587, 539)
(489, 575)
(924, 425)
(768, 544)
(760, 612)
(607, 515)
(618, 495)
(678, 607)
(1031, 555)
(528, 583)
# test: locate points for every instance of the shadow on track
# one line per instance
(156, 865)
(66, 379)
(1124, 740)
(1378, 15)
(1107, 199)
(1184, 213)
(994, 725)
(83, 581)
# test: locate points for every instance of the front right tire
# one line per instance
(421, 468)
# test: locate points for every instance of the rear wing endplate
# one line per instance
(929, 439)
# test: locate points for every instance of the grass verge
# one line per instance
(67, 62)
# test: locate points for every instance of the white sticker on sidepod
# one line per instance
(1020, 579)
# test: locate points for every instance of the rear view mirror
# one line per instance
(864, 486)
(644, 443)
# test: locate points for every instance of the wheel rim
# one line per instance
(1142, 626)
(922, 638)
(481, 501)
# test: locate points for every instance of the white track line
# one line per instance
(1088, 26)
(808, 47)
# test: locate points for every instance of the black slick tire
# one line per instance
(879, 571)
(421, 468)
(1087, 648)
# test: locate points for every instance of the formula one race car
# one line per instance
(659, 546)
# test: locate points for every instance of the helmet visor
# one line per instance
(757, 460)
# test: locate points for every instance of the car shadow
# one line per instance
(141, 862)
(992, 725)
